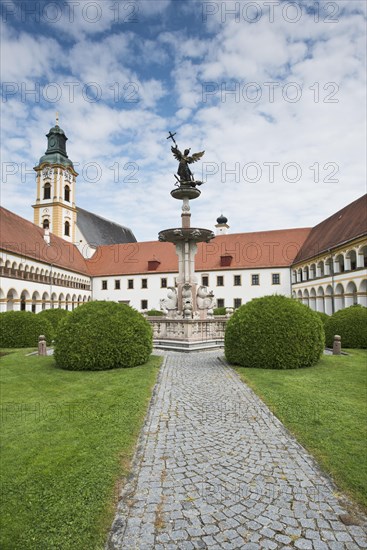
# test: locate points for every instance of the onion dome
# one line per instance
(222, 219)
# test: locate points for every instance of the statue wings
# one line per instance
(189, 159)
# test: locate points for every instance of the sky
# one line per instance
(272, 91)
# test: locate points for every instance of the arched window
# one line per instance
(67, 229)
(46, 224)
(47, 191)
(67, 193)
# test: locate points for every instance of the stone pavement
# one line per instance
(215, 469)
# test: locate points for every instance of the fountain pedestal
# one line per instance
(189, 323)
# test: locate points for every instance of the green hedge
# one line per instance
(155, 313)
(103, 335)
(54, 316)
(219, 311)
(349, 323)
(323, 316)
(274, 332)
(21, 329)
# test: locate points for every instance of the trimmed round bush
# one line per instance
(54, 316)
(274, 332)
(349, 323)
(21, 329)
(103, 335)
(323, 316)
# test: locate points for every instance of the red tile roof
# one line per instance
(248, 250)
(343, 226)
(26, 239)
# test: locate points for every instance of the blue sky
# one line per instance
(273, 91)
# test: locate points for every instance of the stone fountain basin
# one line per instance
(186, 192)
(181, 234)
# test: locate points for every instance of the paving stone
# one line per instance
(266, 543)
(303, 544)
(283, 539)
(215, 469)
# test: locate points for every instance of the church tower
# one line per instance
(56, 177)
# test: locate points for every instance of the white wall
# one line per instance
(64, 295)
(229, 292)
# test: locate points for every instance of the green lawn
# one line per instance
(326, 408)
(67, 437)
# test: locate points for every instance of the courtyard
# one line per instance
(214, 467)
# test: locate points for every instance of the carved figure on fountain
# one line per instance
(170, 303)
(187, 304)
(205, 298)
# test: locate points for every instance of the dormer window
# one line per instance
(47, 191)
(153, 264)
(67, 193)
(225, 261)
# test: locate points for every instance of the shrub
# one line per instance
(21, 329)
(351, 324)
(103, 335)
(323, 317)
(219, 311)
(155, 313)
(274, 332)
(54, 316)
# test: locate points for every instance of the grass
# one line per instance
(67, 438)
(325, 406)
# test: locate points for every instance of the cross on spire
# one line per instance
(171, 137)
(57, 118)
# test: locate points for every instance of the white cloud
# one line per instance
(168, 73)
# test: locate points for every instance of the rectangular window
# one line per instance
(104, 285)
(237, 280)
(276, 278)
(205, 280)
(117, 284)
(144, 283)
(130, 284)
(164, 283)
(220, 282)
(237, 302)
(220, 302)
(255, 280)
(144, 304)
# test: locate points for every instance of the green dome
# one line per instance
(56, 150)
(56, 130)
(55, 158)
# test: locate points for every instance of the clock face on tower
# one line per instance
(52, 142)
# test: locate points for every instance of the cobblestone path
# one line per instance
(215, 469)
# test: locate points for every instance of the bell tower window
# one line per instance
(67, 229)
(47, 191)
(67, 193)
(46, 224)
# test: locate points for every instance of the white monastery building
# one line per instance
(69, 256)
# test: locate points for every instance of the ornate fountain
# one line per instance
(188, 323)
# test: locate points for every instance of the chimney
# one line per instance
(46, 236)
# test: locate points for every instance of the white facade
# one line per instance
(104, 288)
(31, 285)
(333, 281)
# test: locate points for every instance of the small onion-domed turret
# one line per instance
(222, 225)
(222, 219)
